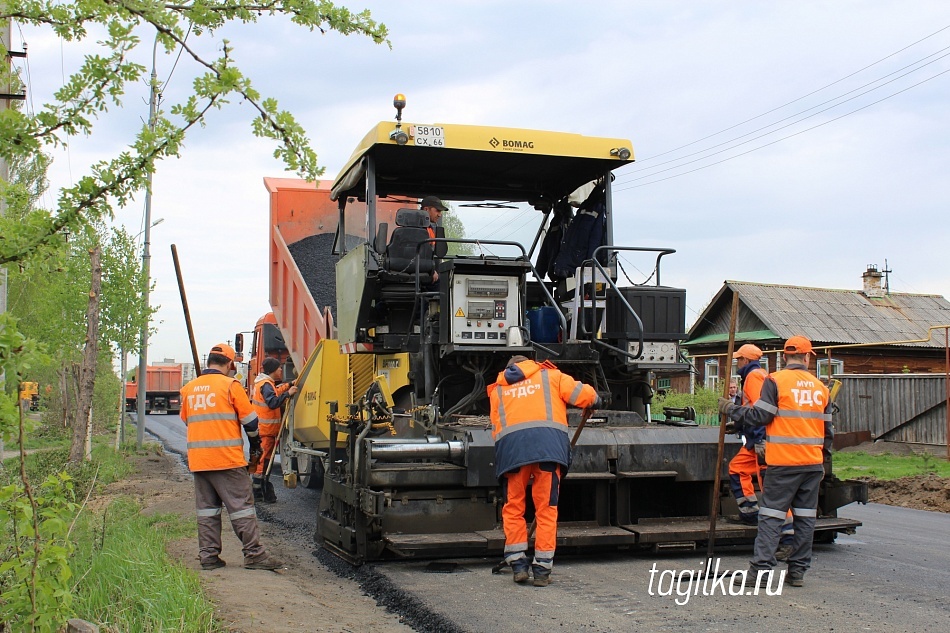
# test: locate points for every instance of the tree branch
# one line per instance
(116, 187)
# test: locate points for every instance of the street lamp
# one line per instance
(154, 224)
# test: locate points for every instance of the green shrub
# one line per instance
(704, 401)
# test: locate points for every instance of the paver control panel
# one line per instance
(483, 309)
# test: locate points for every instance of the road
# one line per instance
(892, 575)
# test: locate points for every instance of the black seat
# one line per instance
(399, 261)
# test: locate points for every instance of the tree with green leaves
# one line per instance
(106, 75)
(114, 30)
(455, 228)
(35, 241)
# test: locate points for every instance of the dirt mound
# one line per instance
(921, 492)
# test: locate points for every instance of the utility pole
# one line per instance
(6, 37)
(142, 380)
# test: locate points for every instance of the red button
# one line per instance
(501, 325)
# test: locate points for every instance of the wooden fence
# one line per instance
(894, 407)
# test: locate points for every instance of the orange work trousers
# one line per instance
(268, 444)
(742, 468)
(545, 481)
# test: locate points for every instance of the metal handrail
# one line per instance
(524, 258)
(610, 282)
(643, 249)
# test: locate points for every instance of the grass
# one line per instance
(887, 466)
(123, 578)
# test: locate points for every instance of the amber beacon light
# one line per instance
(399, 135)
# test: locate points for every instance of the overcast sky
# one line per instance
(689, 83)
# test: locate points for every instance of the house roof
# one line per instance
(824, 315)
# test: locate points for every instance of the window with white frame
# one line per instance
(712, 374)
(837, 367)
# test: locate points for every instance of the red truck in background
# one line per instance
(162, 389)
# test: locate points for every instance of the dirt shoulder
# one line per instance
(921, 492)
(304, 596)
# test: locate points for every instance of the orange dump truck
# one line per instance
(162, 386)
(303, 233)
(302, 237)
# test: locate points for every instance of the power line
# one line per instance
(181, 49)
(798, 99)
(780, 139)
(703, 151)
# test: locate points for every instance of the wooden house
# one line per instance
(868, 331)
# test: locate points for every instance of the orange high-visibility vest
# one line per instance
(431, 231)
(797, 433)
(752, 386)
(214, 407)
(540, 400)
(269, 418)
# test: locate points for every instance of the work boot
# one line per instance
(214, 563)
(266, 562)
(542, 571)
(795, 578)
(783, 552)
(519, 568)
(752, 580)
(258, 488)
(270, 495)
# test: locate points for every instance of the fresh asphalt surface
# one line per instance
(892, 575)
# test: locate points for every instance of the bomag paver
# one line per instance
(392, 414)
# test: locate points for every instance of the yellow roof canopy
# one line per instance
(469, 162)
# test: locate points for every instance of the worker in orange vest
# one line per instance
(746, 464)
(215, 407)
(267, 399)
(529, 425)
(795, 408)
(435, 208)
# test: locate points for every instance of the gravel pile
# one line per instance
(317, 263)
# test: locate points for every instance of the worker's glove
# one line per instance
(603, 397)
(731, 427)
(726, 406)
(827, 467)
(255, 443)
(760, 453)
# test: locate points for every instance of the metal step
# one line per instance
(672, 530)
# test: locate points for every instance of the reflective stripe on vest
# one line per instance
(265, 414)
(797, 432)
(519, 407)
(214, 437)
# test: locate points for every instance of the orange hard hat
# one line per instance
(748, 351)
